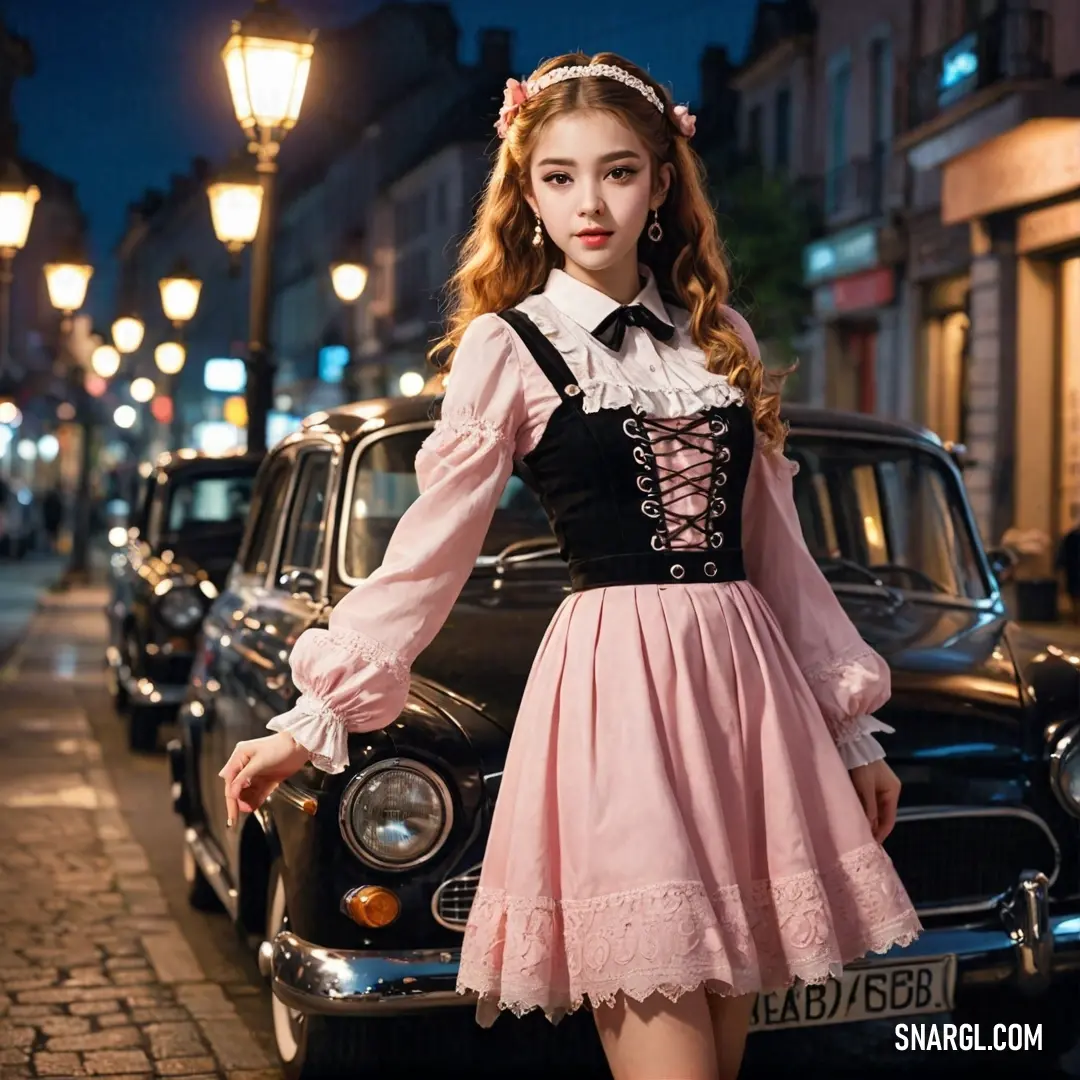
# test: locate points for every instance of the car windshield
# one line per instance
(870, 511)
(204, 503)
(882, 511)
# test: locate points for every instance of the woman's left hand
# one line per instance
(878, 789)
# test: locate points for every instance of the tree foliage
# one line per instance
(766, 222)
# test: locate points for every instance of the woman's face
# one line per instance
(591, 174)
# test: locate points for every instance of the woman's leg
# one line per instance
(658, 1039)
(730, 1023)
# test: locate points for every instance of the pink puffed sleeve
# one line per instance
(848, 678)
(354, 675)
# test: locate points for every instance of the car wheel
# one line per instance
(142, 729)
(201, 895)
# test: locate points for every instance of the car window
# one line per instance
(306, 528)
(384, 486)
(206, 501)
(888, 512)
(273, 488)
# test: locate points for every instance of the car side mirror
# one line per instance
(300, 583)
(1003, 562)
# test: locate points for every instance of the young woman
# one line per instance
(693, 800)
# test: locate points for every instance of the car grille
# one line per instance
(454, 898)
(963, 859)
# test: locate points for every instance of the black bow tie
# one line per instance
(613, 329)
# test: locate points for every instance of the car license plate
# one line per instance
(861, 993)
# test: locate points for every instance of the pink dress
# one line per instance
(675, 809)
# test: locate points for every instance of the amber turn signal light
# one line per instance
(372, 906)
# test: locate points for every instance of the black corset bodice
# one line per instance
(615, 484)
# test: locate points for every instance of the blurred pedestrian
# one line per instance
(52, 512)
(1068, 562)
(693, 804)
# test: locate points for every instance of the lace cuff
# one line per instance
(314, 726)
(861, 751)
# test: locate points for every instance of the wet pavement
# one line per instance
(96, 977)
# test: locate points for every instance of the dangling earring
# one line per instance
(656, 230)
(538, 233)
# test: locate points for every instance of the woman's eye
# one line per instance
(556, 177)
(626, 172)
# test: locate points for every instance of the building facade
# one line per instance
(992, 137)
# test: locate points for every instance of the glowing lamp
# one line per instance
(67, 283)
(17, 202)
(127, 333)
(142, 390)
(267, 61)
(105, 360)
(169, 357)
(236, 200)
(180, 295)
(349, 280)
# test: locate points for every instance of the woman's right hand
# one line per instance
(256, 767)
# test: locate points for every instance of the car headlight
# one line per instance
(181, 608)
(1065, 770)
(396, 814)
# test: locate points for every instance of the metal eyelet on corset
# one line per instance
(630, 428)
(641, 483)
(710, 569)
(650, 508)
(724, 454)
(716, 539)
(678, 571)
(641, 455)
(572, 390)
(719, 506)
(718, 427)
(721, 479)
(658, 542)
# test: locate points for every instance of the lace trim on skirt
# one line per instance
(522, 953)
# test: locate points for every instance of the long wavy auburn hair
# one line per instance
(499, 265)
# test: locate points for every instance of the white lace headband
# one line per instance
(517, 93)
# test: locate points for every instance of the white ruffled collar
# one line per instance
(605, 376)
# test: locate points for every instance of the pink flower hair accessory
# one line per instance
(514, 96)
(684, 120)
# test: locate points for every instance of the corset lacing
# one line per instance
(659, 442)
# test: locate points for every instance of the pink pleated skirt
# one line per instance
(673, 814)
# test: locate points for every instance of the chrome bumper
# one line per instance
(1026, 952)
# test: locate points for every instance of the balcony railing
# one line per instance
(1011, 44)
(856, 189)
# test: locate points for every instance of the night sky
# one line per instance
(126, 92)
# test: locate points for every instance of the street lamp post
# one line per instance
(67, 283)
(17, 201)
(267, 61)
(180, 293)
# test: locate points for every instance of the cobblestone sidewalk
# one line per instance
(96, 979)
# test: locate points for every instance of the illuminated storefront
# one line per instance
(855, 290)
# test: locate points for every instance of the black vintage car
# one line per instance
(173, 563)
(359, 885)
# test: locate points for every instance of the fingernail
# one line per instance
(228, 824)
